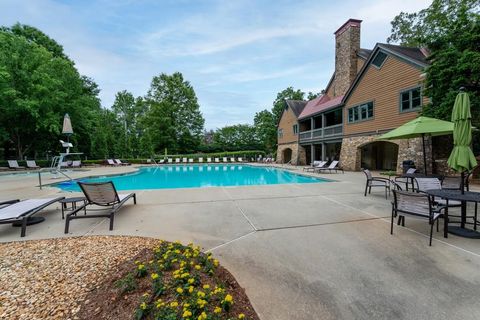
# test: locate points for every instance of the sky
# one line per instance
(237, 54)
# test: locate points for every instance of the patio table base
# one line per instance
(30, 221)
(465, 233)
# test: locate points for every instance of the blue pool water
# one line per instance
(195, 176)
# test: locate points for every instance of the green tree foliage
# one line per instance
(450, 29)
(38, 85)
(266, 129)
(173, 119)
(279, 102)
(237, 137)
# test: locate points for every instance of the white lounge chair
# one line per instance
(162, 161)
(200, 160)
(76, 163)
(240, 159)
(31, 164)
(110, 162)
(190, 160)
(64, 164)
(16, 211)
(170, 160)
(315, 165)
(209, 160)
(177, 160)
(232, 159)
(120, 163)
(217, 160)
(184, 160)
(13, 164)
(331, 167)
(225, 159)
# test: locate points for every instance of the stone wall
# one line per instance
(298, 153)
(408, 149)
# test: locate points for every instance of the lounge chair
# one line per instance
(184, 160)
(101, 194)
(315, 165)
(240, 159)
(190, 160)
(161, 161)
(13, 164)
(19, 212)
(170, 160)
(415, 204)
(209, 160)
(200, 160)
(217, 160)
(376, 182)
(331, 167)
(177, 160)
(232, 159)
(110, 162)
(119, 162)
(76, 163)
(225, 159)
(31, 164)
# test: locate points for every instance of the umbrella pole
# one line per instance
(462, 182)
(424, 154)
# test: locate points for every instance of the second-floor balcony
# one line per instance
(327, 132)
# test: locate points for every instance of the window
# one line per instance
(361, 112)
(379, 59)
(410, 100)
(295, 129)
(280, 133)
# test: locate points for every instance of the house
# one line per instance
(288, 149)
(369, 93)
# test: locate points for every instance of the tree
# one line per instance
(124, 108)
(279, 102)
(266, 129)
(313, 95)
(236, 137)
(36, 89)
(424, 27)
(174, 119)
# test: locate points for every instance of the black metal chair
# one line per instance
(101, 194)
(376, 182)
(419, 205)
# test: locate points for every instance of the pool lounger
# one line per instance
(101, 194)
(16, 211)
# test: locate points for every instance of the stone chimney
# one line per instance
(347, 45)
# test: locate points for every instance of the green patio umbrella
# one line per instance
(420, 127)
(462, 158)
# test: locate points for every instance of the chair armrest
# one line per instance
(9, 202)
(380, 179)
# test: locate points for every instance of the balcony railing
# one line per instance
(327, 132)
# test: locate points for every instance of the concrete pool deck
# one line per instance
(301, 251)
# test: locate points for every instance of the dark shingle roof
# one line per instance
(297, 106)
(415, 54)
(364, 53)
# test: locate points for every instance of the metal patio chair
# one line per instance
(376, 182)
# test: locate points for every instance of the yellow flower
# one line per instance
(190, 289)
(217, 310)
(202, 316)
(241, 316)
(137, 262)
(228, 298)
(187, 314)
(179, 290)
(174, 304)
(143, 306)
(215, 263)
(201, 294)
(145, 294)
(206, 286)
(198, 267)
(191, 280)
(201, 303)
(154, 276)
(141, 267)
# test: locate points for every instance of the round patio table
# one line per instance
(463, 197)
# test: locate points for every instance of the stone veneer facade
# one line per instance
(299, 156)
(408, 149)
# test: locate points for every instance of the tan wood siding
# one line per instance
(286, 123)
(383, 87)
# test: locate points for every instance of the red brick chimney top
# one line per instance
(348, 24)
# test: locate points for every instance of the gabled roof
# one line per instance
(320, 104)
(297, 106)
(364, 53)
(414, 56)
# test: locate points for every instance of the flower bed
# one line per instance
(170, 282)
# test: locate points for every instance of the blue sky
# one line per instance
(237, 54)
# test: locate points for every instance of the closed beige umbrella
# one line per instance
(67, 126)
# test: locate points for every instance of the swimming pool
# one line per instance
(196, 176)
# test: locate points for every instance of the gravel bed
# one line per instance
(49, 279)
